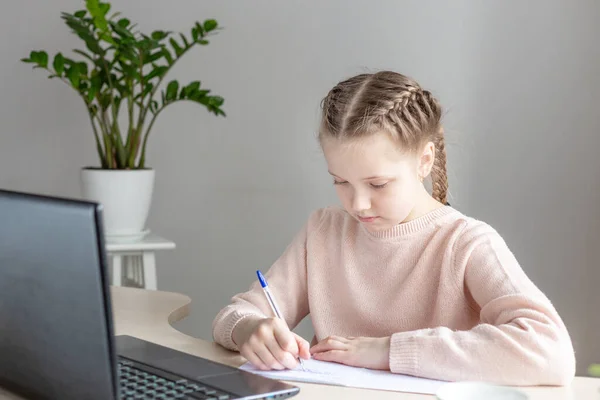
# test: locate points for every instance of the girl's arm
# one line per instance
(521, 339)
(287, 282)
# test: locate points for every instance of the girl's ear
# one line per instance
(426, 160)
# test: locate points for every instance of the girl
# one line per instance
(398, 280)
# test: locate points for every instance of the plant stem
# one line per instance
(98, 145)
(135, 139)
(143, 156)
(114, 132)
(130, 114)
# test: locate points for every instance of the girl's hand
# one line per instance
(365, 352)
(269, 344)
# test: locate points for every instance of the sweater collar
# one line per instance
(412, 226)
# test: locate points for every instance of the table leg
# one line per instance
(116, 270)
(149, 270)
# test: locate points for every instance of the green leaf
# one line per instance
(98, 12)
(216, 101)
(104, 101)
(158, 71)
(159, 35)
(73, 75)
(176, 47)
(167, 55)
(130, 54)
(154, 57)
(184, 39)
(82, 68)
(96, 83)
(91, 93)
(42, 59)
(154, 106)
(94, 46)
(195, 34)
(123, 22)
(82, 30)
(172, 89)
(210, 25)
(190, 89)
(80, 14)
(59, 64)
(84, 54)
(203, 42)
(147, 89)
(122, 31)
(129, 71)
(33, 58)
(104, 8)
(200, 29)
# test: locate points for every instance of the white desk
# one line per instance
(149, 314)
(135, 261)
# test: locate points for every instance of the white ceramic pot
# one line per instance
(125, 195)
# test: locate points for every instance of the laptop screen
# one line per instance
(55, 318)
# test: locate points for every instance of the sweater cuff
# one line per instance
(234, 320)
(403, 354)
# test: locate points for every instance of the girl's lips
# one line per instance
(367, 219)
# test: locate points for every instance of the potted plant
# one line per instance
(120, 76)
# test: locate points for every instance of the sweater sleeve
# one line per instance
(520, 340)
(287, 282)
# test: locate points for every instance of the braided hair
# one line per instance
(390, 102)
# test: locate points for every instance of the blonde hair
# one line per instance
(390, 102)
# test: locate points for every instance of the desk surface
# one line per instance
(148, 315)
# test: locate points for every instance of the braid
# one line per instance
(439, 177)
(413, 112)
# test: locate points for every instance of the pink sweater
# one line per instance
(444, 286)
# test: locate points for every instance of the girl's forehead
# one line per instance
(377, 152)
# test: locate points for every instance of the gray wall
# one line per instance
(519, 81)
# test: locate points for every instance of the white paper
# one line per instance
(342, 375)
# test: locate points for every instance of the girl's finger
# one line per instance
(283, 357)
(267, 358)
(303, 347)
(255, 360)
(338, 356)
(286, 340)
(328, 344)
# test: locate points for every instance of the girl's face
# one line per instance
(377, 183)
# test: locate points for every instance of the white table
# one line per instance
(148, 315)
(135, 260)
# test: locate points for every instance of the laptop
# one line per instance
(56, 330)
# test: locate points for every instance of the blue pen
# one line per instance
(272, 303)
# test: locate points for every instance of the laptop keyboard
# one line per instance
(139, 381)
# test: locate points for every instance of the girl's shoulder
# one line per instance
(470, 232)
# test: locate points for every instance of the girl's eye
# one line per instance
(379, 186)
(339, 182)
